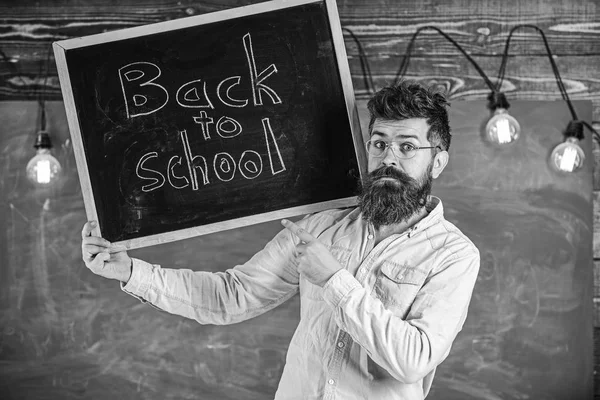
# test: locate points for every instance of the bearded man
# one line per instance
(384, 287)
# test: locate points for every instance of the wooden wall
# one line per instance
(384, 27)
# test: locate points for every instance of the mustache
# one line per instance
(391, 172)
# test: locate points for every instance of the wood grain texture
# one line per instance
(480, 27)
(527, 78)
(384, 28)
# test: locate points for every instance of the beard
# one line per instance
(390, 201)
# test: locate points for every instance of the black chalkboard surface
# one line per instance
(212, 122)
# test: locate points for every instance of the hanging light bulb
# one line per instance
(569, 156)
(502, 129)
(43, 170)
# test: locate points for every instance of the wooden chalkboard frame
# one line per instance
(61, 47)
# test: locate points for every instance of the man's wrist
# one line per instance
(127, 275)
(330, 276)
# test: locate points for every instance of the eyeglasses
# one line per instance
(378, 148)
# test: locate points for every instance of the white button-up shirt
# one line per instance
(377, 329)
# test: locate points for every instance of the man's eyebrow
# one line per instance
(403, 136)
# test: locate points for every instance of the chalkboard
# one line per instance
(212, 122)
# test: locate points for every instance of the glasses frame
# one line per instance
(401, 156)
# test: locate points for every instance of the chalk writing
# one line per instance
(257, 79)
(228, 100)
(204, 120)
(277, 166)
(145, 94)
(222, 125)
(190, 97)
(224, 165)
(129, 76)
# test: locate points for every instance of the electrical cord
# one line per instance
(559, 82)
(561, 86)
(364, 63)
(405, 61)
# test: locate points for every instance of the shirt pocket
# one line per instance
(397, 286)
(315, 292)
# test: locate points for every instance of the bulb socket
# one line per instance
(498, 100)
(42, 141)
(574, 129)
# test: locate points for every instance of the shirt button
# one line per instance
(340, 344)
(363, 270)
(370, 237)
(331, 381)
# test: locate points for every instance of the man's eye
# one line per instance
(406, 147)
(379, 144)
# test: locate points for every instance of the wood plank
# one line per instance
(145, 12)
(481, 27)
(482, 38)
(527, 78)
(476, 37)
(467, 8)
(384, 32)
(378, 39)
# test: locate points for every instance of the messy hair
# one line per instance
(406, 100)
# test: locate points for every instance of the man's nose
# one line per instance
(390, 157)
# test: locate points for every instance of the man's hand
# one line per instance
(314, 260)
(102, 257)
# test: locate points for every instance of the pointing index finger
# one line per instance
(298, 231)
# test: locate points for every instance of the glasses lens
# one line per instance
(407, 151)
(376, 147)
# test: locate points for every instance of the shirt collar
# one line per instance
(435, 212)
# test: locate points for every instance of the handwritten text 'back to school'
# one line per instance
(144, 95)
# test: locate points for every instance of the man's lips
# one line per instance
(387, 178)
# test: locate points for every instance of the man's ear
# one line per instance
(439, 163)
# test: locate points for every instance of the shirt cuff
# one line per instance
(338, 287)
(140, 280)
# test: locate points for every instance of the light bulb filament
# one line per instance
(503, 130)
(568, 160)
(43, 171)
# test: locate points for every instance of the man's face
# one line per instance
(413, 131)
(396, 187)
